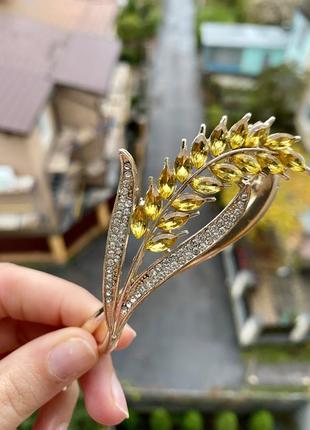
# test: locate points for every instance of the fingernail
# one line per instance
(132, 332)
(63, 426)
(119, 396)
(71, 359)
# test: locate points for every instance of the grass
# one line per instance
(278, 354)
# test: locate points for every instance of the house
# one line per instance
(241, 49)
(55, 166)
(269, 306)
(298, 52)
(298, 49)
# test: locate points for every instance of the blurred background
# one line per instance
(226, 345)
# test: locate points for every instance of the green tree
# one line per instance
(136, 23)
(160, 419)
(261, 420)
(226, 421)
(192, 420)
(277, 92)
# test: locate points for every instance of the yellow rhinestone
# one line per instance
(280, 141)
(183, 164)
(173, 220)
(247, 163)
(257, 135)
(293, 160)
(239, 132)
(188, 202)
(161, 242)
(218, 140)
(166, 181)
(227, 172)
(270, 163)
(199, 151)
(206, 185)
(152, 205)
(138, 222)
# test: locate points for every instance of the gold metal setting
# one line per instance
(246, 155)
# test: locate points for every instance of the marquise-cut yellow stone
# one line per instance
(238, 133)
(166, 181)
(138, 222)
(247, 163)
(206, 185)
(280, 141)
(270, 163)
(173, 220)
(161, 243)
(199, 151)
(183, 164)
(227, 172)
(218, 140)
(188, 202)
(152, 205)
(257, 136)
(293, 160)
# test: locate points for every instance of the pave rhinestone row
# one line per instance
(186, 252)
(118, 231)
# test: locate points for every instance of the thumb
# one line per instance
(36, 372)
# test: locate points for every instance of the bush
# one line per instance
(130, 27)
(192, 420)
(226, 421)
(133, 422)
(261, 420)
(152, 22)
(160, 419)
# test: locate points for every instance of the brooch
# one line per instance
(246, 155)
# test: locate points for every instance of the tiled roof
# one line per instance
(35, 56)
(87, 63)
(22, 95)
(91, 16)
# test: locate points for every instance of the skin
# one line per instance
(39, 314)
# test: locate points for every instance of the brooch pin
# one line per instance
(246, 155)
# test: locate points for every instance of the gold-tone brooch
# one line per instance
(246, 155)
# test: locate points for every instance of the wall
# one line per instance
(249, 61)
(298, 50)
(76, 109)
(28, 155)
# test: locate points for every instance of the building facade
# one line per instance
(59, 135)
(241, 49)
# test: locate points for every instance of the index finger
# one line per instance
(30, 295)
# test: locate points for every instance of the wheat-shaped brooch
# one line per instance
(246, 155)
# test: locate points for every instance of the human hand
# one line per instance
(42, 350)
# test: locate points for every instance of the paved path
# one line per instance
(186, 335)
(185, 330)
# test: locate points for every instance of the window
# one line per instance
(11, 183)
(225, 56)
(224, 60)
(46, 128)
